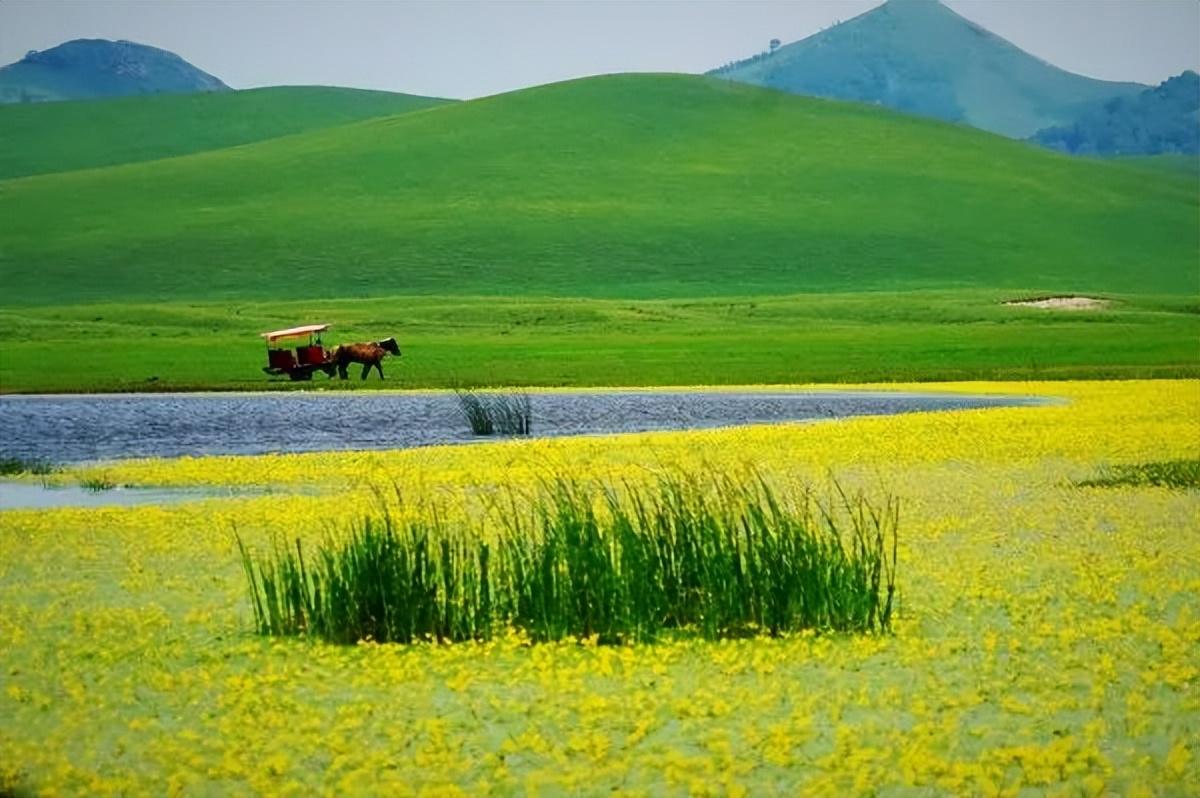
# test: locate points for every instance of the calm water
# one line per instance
(33, 496)
(73, 429)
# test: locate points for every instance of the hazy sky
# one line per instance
(470, 49)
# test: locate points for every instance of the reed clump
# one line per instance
(10, 466)
(1176, 474)
(717, 558)
(97, 484)
(496, 413)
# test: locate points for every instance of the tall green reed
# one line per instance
(715, 557)
(1177, 474)
(496, 414)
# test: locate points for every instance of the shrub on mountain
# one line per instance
(1165, 119)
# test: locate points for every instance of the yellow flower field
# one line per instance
(1047, 643)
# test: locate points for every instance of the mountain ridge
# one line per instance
(919, 56)
(1163, 120)
(95, 68)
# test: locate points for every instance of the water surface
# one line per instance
(21, 495)
(74, 429)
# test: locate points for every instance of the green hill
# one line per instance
(63, 136)
(620, 186)
(919, 56)
(1172, 164)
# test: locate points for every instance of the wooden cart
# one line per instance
(298, 363)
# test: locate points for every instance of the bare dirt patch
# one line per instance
(1062, 303)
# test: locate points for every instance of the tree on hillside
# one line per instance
(1165, 119)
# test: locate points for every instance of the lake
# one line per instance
(73, 429)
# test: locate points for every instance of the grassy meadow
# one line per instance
(662, 228)
(1043, 641)
(41, 138)
(630, 187)
(463, 341)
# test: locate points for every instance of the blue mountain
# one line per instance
(94, 68)
(919, 56)
(1159, 121)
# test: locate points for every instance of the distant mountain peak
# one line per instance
(922, 8)
(914, 9)
(89, 68)
(915, 6)
(922, 57)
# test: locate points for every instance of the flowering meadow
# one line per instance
(1046, 639)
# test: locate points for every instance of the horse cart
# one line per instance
(301, 362)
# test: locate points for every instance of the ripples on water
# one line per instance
(72, 429)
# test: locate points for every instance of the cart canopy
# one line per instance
(294, 332)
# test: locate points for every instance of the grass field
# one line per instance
(625, 230)
(633, 186)
(41, 138)
(1187, 165)
(1044, 642)
(451, 341)
(665, 229)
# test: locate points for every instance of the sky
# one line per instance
(480, 47)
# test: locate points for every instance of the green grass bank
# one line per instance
(454, 341)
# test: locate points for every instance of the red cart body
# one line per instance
(301, 363)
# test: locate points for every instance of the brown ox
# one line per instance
(370, 355)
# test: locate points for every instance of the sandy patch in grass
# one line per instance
(1063, 303)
